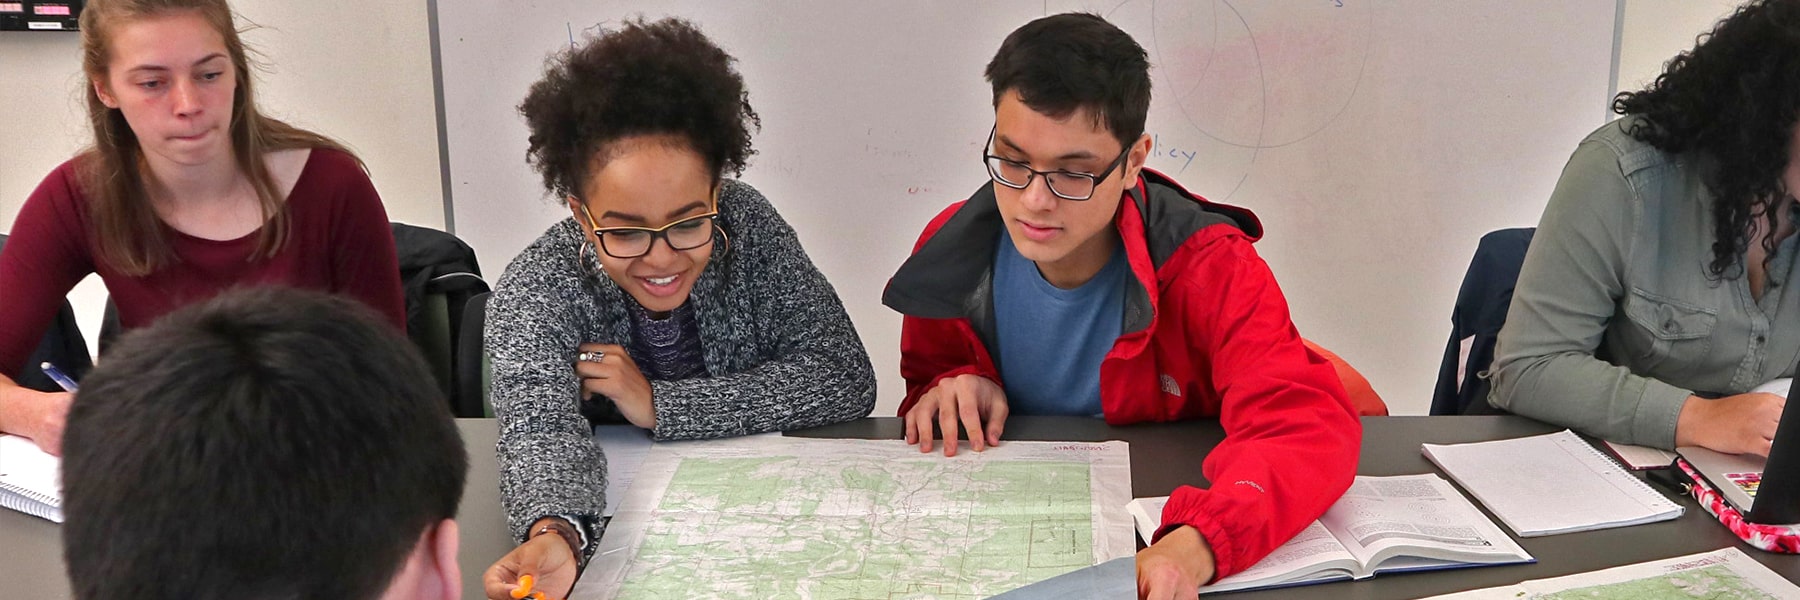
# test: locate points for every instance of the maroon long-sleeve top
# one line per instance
(340, 242)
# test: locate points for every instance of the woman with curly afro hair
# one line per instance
(1654, 299)
(674, 298)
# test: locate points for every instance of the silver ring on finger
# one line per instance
(593, 357)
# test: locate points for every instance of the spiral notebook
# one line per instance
(1551, 484)
(30, 479)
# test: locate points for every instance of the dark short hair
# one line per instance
(1061, 63)
(268, 443)
(657, 78)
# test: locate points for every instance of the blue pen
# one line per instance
(61, 379)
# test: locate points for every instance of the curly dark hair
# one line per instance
(646, 78)
(1734, 98)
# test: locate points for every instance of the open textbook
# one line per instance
(1717, 575)
(29, 479)
(1382, 524)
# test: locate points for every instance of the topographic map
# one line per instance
(1713, 582)
(1726, 574)
(775, 517)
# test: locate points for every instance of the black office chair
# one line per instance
(439, 274)
(471, 397)
(109, 325)
(62, 345)
(1481, 306)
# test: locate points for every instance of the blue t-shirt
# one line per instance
(1051, 340)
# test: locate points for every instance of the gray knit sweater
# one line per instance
(780, 354)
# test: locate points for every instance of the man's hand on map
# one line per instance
(1175, 566)
(547, 558)
(607, 370)
(977, 401)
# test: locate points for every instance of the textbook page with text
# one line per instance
(1382, 524)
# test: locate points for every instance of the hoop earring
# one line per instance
(581, 262)
(727, 238)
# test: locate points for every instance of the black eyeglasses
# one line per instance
(632, 242)
(1067, 185)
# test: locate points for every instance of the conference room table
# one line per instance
(1167, 455)
(1163, 456)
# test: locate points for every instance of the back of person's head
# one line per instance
(269, 443)
(129, 236)
(1063, 63)
(662, 78)
(1734, 98)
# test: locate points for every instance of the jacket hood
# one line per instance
(950, 274)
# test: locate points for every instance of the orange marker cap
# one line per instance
(524, 589)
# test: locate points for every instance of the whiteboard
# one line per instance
(1377, 140)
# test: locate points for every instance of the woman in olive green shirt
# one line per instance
(1658, 275)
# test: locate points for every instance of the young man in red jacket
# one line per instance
(1079, 282)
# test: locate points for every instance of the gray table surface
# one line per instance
(1163, 456)
(1167, 455)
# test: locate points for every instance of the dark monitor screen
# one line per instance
(39, 15)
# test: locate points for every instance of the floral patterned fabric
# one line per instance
(1784, 539)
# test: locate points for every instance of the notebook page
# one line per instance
(29, 479)
(30, 470)
(1549, 484)
(1777, 386)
